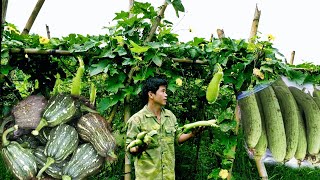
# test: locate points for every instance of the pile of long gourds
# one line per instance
(284, 119)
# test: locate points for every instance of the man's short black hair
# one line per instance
(152, 84)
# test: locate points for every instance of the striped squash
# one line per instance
(84, 162)
(60, 109)
(20, 161)
(55, 169)
(62, 141)
(93, 128)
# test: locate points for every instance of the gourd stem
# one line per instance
(66, 177)
(84, 108)
(25, 144)
(5, 141)
(43, 123)
(50, 161)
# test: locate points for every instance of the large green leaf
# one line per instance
(138, 49)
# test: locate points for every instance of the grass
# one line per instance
(4, 172)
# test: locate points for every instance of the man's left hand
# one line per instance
(199, 130)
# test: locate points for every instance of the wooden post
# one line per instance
(220, 33)
(292, 57)
(48, 31)
(32, 17)
(255, 24)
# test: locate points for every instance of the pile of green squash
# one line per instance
(63, 138)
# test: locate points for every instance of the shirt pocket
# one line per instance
(170, 134)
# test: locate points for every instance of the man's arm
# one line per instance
(185, 137)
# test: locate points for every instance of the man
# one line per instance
(156, 160)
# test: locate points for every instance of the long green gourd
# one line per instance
(312, 118)
(261, 147)
(274, 123)
(20, 161)
(250, 120)
(290, 116)
(214, 86)
(76, 81)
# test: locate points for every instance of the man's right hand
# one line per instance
(138, 149)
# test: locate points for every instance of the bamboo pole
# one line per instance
(32, 17)
(127, 114)
(254, 29)
(255, 24)
(292, 57)
(69, 53)
(40, 51)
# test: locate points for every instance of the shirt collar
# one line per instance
(148, 113)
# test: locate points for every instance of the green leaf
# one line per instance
(98, 68)
(121, 15)
(5, 69)
(177, 5)
(121, 51)
(107, 53)
(297, 76)
(106, 103)
(157, 60)
(137, 49)
(129, 61)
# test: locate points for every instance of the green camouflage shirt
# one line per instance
(158, 161)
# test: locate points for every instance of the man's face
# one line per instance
(161, 96)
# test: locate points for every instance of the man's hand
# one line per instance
(138, 149)
(199, 130)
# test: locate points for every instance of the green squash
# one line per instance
(84, 162)
(62, 141)
(55, 169)
(20, 161)
(60, 109)
(93, 128)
